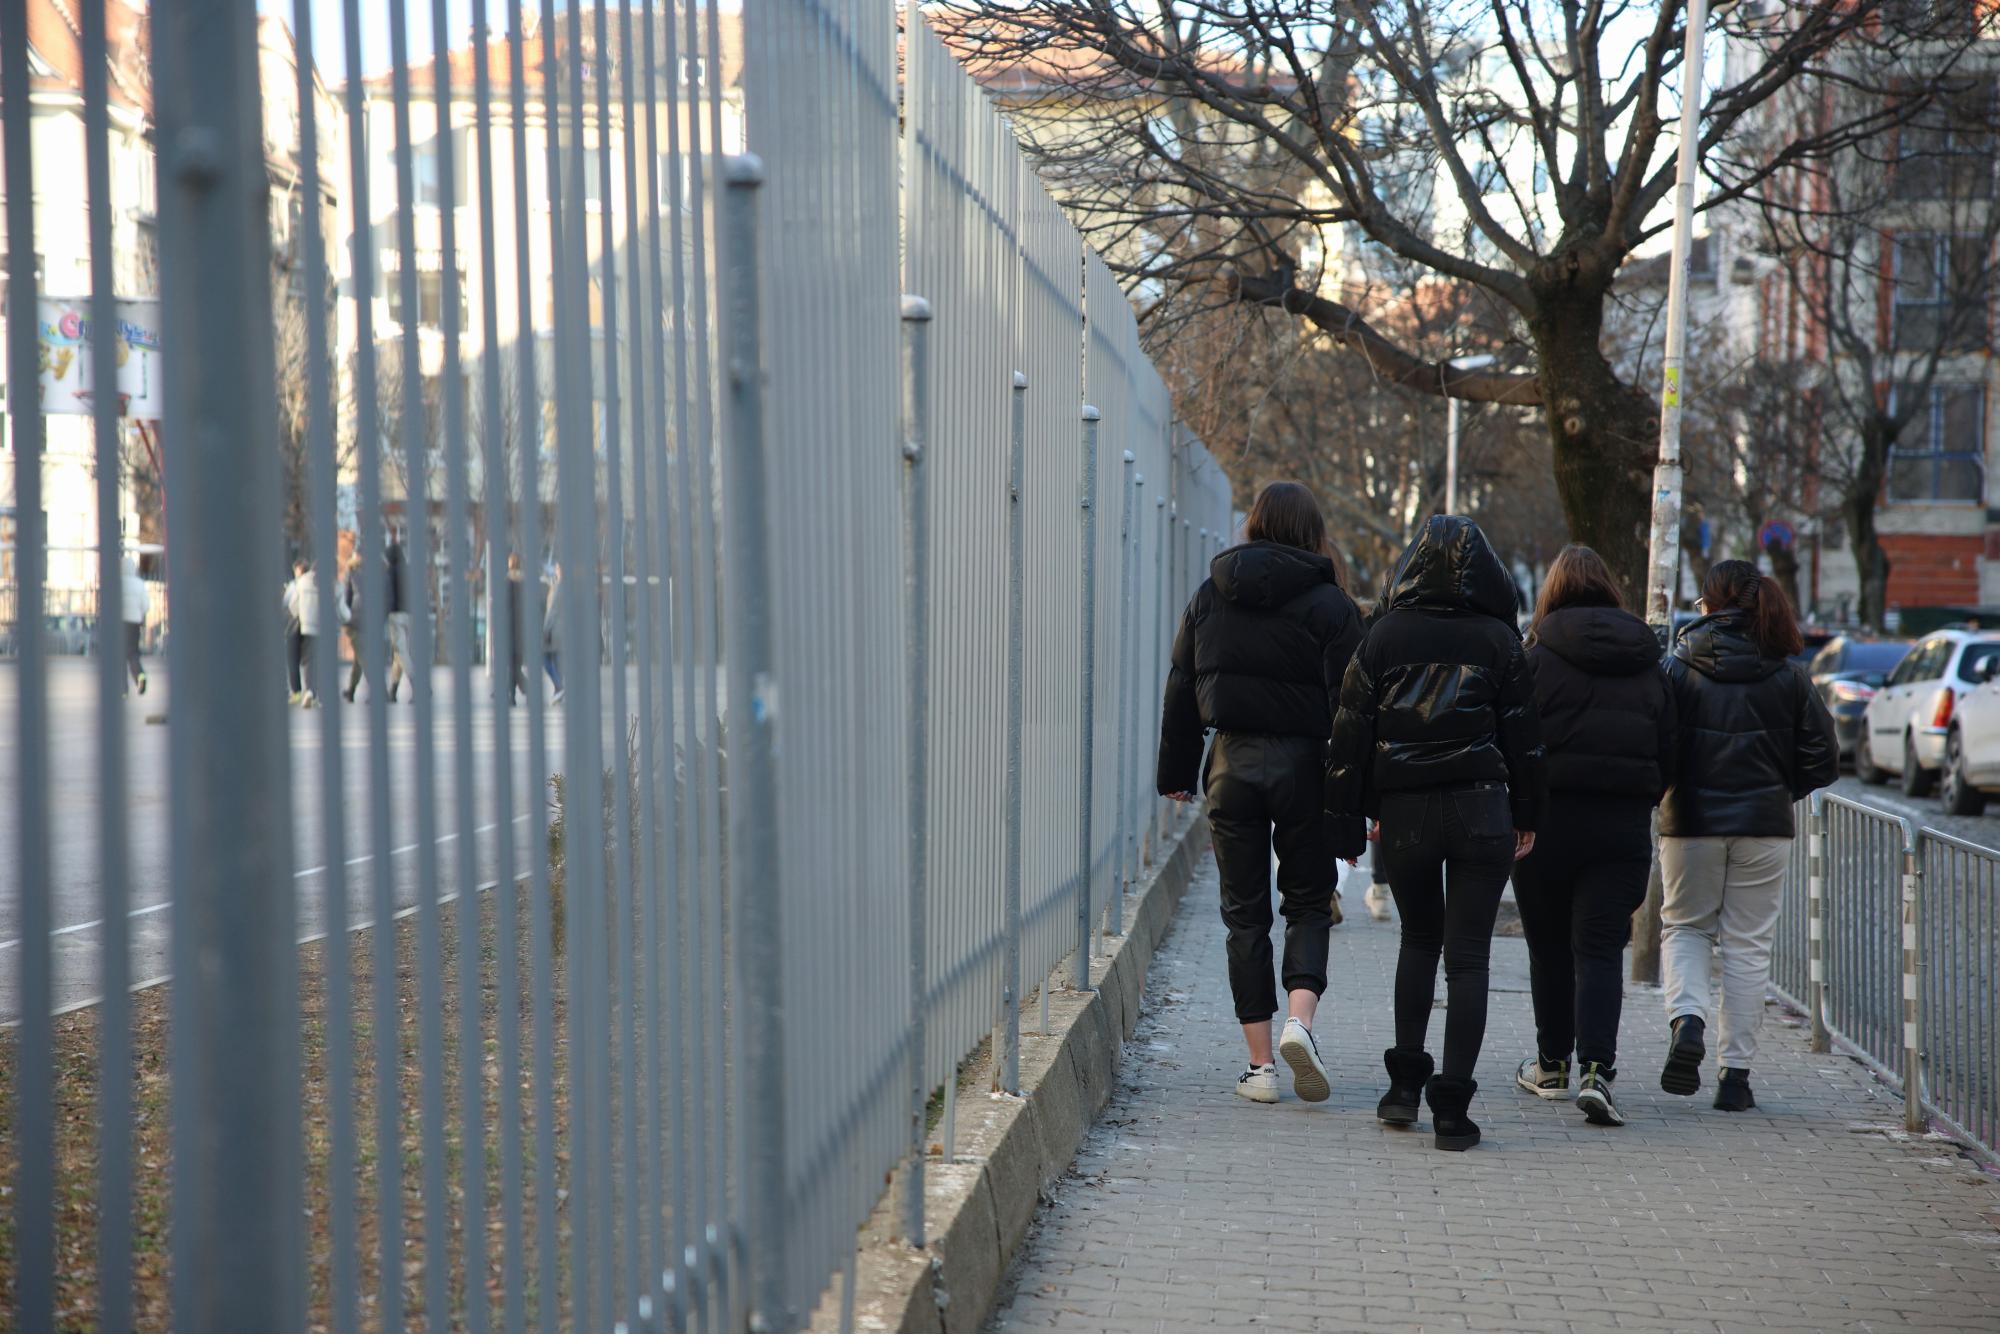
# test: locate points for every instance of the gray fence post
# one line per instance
(1912, 921)
(1079, 974)
(1129, 782)
(238, 1246)
(916, 659)
(753, 720)
(1822, 1041)
(1007, 1044)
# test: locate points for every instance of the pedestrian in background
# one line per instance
(302, 602)
(350, 597)
(1609, 723)
(1437, 737)
(294, 637)
(136, 600)
(1756, 738)
(398, 620)
(1258, 660)
(551, 631)
(517, 633)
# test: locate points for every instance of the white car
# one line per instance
(1908, 722)
(1972, 747)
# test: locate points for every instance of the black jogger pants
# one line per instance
(1265, 792)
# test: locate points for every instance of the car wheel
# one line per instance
(1957, 793)
(1917, 780)
(1864, 762)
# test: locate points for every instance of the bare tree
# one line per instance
(1891, 259)
(1210, 147)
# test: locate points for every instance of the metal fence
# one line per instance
(604, 987)
(1889, 940)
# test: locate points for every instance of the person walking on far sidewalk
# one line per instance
(136, 601)
(517, 633)
(551, 632)
(1438, 738)
(350, 598)
(294, 640)
(1608, 720)
(1756, 738)
(398, 621)
(302, 601)
(1258, 661)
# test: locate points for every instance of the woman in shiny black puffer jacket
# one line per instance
(1438, 738)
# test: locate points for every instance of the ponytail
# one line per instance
(1739, 585)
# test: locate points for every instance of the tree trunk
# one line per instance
(1857, 506)
(1605, 433)
(1785, 569)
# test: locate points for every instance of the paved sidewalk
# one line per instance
(1190, 1208)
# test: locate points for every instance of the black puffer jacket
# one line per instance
(1438, 694)
(1261, 649)
(1755, 736)
(1607, 715)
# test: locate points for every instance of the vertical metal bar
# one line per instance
(1130, 782)
(34, 1078)
(416, 575)
(916, 665)
(237, 1199)
(754, 692)
(504, 636)
(1162, 648)
(114, 1085)
(374, 592)
(343, 1277)
(1912, 918)
(1007, 1043)
(1079, 968)
(1822, 1041)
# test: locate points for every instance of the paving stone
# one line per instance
(1189, 1208)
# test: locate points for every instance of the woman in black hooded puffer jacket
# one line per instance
(1438, 738)
(1259, 659)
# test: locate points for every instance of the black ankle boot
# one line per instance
(1686, 1050)
(1449, 1098)
(1733, 1093)
(1407, 1072)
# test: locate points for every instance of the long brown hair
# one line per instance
(1288, 513)
(1739, 585)
(1578, 577)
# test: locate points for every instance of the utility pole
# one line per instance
(1455, 365)
(1663, 564)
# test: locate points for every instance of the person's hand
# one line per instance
(1524, 843)
(1374, 831)
(1182, 797)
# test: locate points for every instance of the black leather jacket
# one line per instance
(1439, 694)
(1607, 714)
(1755, 736)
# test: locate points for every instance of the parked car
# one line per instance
(1972, 747)
(1906, 724)
(1847, 672)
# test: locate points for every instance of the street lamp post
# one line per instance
(1451, 429)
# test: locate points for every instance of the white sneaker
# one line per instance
(1378, 902)
(1308, 1075)
(1259, 1083)
(1541, 1079)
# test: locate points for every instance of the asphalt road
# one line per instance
(1924, 811)
(78, 906)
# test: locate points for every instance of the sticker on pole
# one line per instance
(1670, 394)
(1776, 533)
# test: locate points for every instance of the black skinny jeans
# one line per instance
(1265, 791)
(1447, 852)
(1578, 890)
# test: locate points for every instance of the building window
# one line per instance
(1932, 19)
(1941, 453)
(1541, 177)
(424, 170)
(430, 291)
(593, 176)
(694, 71)
(1942, 285)
(1946, 151)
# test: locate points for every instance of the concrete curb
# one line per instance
(1010, 1150)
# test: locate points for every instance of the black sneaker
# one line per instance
(1733, 1093)
(1685, 1053)
(1593, 1096)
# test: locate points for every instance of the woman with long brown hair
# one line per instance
(1258, 661)
(1756, 737)
(1608, 721)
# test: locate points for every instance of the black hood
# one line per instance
(1451, 567)
(1268, 574)
(1720, 648)
(1603, 641)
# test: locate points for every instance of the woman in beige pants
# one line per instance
(1756, 737)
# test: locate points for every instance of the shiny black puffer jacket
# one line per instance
(1608, 717)
(1755, 736)
(1261, 649)
(1439, 693)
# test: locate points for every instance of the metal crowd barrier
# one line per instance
(1889, 941)
(853, 526)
